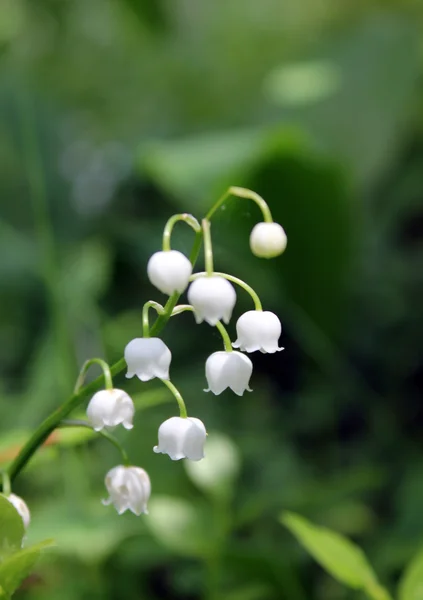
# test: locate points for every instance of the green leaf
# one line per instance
(194, 169)
(178, 525)
(411, 584)
(19, 565)
(344, 560)
(215, 474)
(11, 527)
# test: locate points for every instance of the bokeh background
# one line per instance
(115, 114)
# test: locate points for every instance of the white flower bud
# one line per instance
(228, 369)
(213, 299)
(21, 508)
(169, 271)
(258, 330)
(147, 358)
(267, 240)
(182, 438)
(109, 408)
(129, 489)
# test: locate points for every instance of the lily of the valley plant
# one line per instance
(212, 298)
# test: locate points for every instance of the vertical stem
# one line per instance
(5, 483)
(208, 249)
(226, 339)
(44, 231)
(179, 399)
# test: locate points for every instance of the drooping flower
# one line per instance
(169, 271)
(109, 408)
(147, 358)
(21, 508)
(228, 370)
(267, 240)
(129, 489)
(213, 299)
(182, 438)
(258, 330)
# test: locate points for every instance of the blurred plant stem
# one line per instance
(222, 525)
(64, 356)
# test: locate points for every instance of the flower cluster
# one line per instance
(212, 298)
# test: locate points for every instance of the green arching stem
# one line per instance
(241, 192)
(186, 218)
(108, 382)
(5, 483)
(104, 433)
(145, 321)
(245, 286)
(51, 422)
(208, 248)
(222, 329)
(178, 397)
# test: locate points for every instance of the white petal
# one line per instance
(169, 271)
(267, 240)
(213, 298)
(148, 358)
(181, 438)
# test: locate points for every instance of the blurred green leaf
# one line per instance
(316, 213)
(411, 583)
(216, 473)
(341, 558)
(195, 170)
(86, 272)
(179, 525)
(11, 527)
(19, 565)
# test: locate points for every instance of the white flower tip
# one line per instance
(128, 425)
(268, 240)
(129, 375)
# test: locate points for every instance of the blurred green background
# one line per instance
(114, 114)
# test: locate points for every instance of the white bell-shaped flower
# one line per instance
(129, 489)
(169, 271)
(109, 408)
(228, 370)
(147, 358)
(213, 299)
(182, 438)
(267, 240)
(21, 508)
(258, 330)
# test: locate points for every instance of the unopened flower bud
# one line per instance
(258, 330)
(129, 489)
(147, 358)
(21, 508)
(213, 299)
(228, 370)
(267, 240)
(182, 438)
(109, 408)
(169, 271)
